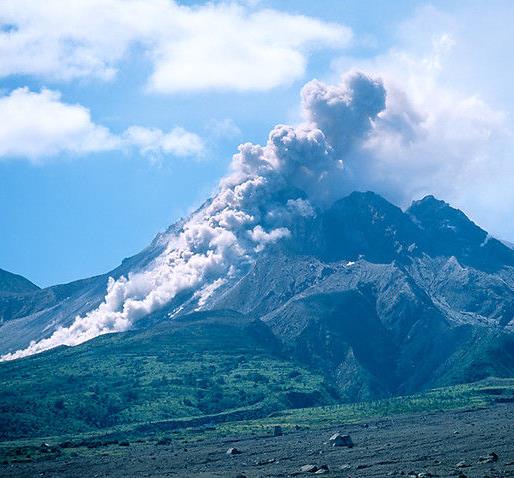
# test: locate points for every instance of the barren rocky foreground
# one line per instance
(461, 443)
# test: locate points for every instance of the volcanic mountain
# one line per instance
(378, 300)
(375, 299)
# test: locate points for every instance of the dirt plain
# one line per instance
(445, 444)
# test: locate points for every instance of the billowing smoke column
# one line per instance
(245, 216)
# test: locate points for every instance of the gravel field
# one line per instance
(454, 443)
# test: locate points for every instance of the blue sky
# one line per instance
(80, 190)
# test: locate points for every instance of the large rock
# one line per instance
(337, 439)
(233, 451)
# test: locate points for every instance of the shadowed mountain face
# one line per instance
(12, 284)
(386, 301)
(377, 300)
(14, 290)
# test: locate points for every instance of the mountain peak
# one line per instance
(438, 218)
(431, 200)
(364, 224)
(449, 232)
(432, 209)
(15, 284)
(369, 198)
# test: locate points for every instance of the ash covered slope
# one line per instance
(268, 191)
(36, 313)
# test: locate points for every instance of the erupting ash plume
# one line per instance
(247, 214)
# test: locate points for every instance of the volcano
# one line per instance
(379, 300)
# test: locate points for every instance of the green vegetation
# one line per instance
(111, 441)
(198, 367)
(207, 375)
(467, 396)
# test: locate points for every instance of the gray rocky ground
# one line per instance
(445, 444)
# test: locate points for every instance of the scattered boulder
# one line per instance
(277, 431)
(233, 451)
(45, 448)
(341, 440)
(491, 458)
(316, 470)
(309, 469)
(322, 470)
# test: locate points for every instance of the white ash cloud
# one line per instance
(203, 294)
(344, 112)
(262, 238)
(302, 207)
(268, 189)
(447, 127)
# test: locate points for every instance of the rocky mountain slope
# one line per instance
(389, 301)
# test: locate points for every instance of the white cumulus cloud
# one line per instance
(39, 125)
(216, 45)
(154, 141)
(222, 46)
